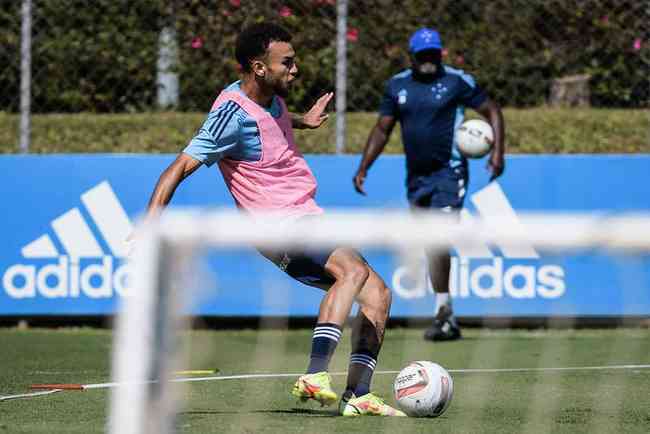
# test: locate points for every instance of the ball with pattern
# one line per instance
(423, 389)
(474, 138)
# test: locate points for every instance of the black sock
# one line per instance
(326, 337)
(366, 343)
(362, 366)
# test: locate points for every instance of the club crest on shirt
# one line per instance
(438, 90)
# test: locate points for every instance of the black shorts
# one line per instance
(305, 266)
(442, 189)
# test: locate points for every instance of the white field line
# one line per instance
(453, 371)
(29, 395)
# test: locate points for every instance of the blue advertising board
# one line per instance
(66, 217)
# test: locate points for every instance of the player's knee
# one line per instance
(356, 272)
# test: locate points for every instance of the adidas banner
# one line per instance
(66, 218)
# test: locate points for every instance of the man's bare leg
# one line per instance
(444, 327)
(350, 272)
(368, 333)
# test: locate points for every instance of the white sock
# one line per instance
(442, 298)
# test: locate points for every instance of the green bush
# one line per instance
(536, 130)
(100, 56)
(514, 47)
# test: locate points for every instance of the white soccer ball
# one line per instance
(474, 138)
(423, 389)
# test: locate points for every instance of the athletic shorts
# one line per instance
(442, 189)
(305, 266)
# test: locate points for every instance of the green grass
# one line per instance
(543, 402)
(537, 130)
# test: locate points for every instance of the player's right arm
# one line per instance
(182, 167)
(375, 145)
(378, 137)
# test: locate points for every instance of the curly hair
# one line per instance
(253, 42)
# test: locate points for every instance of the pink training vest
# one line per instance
(280, 182)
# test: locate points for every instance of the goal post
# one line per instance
(146, 350)
(149, 351)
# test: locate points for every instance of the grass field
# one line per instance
(572, 401)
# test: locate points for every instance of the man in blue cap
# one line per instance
(429, 101)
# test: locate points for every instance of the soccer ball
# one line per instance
(423, 389)
(474, 138)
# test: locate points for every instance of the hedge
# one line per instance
(101, 56)
(536, 130)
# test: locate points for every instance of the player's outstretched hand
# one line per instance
(315, 117)
(358, 181)
(496, 166)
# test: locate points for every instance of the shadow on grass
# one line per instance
(294, 411)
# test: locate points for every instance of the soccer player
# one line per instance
(429, 101)
(248, 133)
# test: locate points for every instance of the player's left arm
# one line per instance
(315, 117)
(491, 111)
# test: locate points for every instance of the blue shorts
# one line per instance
(305, 266)
(444, 188)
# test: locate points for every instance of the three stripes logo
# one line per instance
(80, 266)
(517, 273)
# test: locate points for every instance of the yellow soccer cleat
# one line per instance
(315, 386)
(368, 405)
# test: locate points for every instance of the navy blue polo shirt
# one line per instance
(429, 114)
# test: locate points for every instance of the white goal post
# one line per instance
(145, 352)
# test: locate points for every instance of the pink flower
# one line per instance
(637, 44)
(235, 3)
(352, 34)
(604, 19)
(285, 11)
(445, 53)
(460, 59)
(197, 42)
(226, 13)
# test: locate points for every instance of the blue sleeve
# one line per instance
(219, 136)
(470, 94)
(388, 106)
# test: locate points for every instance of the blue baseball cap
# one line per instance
(425, 39)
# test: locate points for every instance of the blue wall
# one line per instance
(50, 264)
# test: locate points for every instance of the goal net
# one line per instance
(170, 286)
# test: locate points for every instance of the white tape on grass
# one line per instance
(263, 376)
(577, 368)
(29, 395)
(297, 374)
(453, 371)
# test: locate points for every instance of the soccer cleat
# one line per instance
(367, 405)
(315, 386)
(444, 327)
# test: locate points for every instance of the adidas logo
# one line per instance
(84, 268)
(479, 272)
